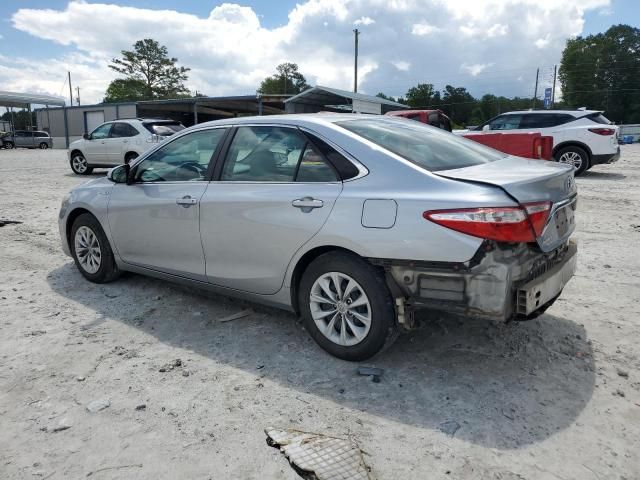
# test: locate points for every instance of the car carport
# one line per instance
(325, 99)
(12, 100)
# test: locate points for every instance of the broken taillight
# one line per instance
(502, 224)
(602, 131)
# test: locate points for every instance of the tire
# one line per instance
(358, 342)
(575, 156)
(79, 164)
(8, 145)
(43, 146)
(130, 157)
(96, 264)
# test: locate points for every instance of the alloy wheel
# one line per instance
(340, 308)
(79, 164)
(571, 158)
(87, 248)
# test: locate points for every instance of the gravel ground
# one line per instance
(553, 398)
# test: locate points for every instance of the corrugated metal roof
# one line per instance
(23, 100)
(327, 96)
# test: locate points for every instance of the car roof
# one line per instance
(299, 119)
(575, 113)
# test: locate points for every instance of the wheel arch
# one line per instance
(572, 143)
(304, 261)
(76, 150)
(75, 213)
(131, 153)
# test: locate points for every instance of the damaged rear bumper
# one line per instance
(500, 283)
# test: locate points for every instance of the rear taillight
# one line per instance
(502, 224)
(602, 131)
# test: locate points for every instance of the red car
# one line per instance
(435, 118)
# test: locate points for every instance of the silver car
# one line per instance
(351, 221)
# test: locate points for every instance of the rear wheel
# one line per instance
(91, 250)
(577, 157)
(347, 307)
(8, 145)
(44, 145)
(79, 164)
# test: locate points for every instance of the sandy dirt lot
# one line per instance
(553, 398)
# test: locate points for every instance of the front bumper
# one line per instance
(607, 158)
(500, 283)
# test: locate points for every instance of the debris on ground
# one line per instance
(315, 456)
(619, 393)
(4, 222)
(167, 367)
(236, 316)
(142, 406)
(98, 405)
(373, 372)
(623, 373)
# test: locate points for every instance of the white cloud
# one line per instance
(401, 65)
(423, 28)
(476, 68)
(230, 51)
(364, 21)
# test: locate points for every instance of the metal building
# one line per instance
(319, 99)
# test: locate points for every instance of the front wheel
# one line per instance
(346, 306)
(79, 164)
(577, 157)
(8, 145)
(91, 250)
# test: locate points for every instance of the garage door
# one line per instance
(94, 119)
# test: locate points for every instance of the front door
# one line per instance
(94, 149)
(274, 194)
(155, 221)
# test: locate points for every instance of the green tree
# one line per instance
(601, 72)
(458, 104)
(126, 90)
(420, 96)
(287, 80)
(20, 119)
(149, 63)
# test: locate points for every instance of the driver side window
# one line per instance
(506, 122)
(101, 132)
(184, 159)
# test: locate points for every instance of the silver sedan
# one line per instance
(351, 221)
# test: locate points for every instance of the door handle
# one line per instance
(186, 201)
(307, 204)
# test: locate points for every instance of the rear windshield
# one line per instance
(164, 129)
(427, 147)
(599, 118)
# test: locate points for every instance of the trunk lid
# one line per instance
(529, 181)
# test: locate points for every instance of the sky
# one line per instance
(488, 46)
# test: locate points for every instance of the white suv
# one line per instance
(582, 138)
(117, 142)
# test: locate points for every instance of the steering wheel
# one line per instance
(194, 167)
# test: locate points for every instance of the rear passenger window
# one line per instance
(506, 122)
(121, 130)
(313, 168)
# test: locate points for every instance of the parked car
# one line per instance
(352, 221)
(117, 142)
(582, 138)
(27, 139)
(435, 118)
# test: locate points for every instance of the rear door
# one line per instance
(116, 146)
(274, 193)
(155, 222)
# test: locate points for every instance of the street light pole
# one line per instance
(355, 63)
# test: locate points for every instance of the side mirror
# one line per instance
(86, 136)
(119, 174)
(486, 128)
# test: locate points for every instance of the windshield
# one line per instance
(427, 147)
(164, 129)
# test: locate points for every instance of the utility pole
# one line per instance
(70, 90)
(553, 92)
(535, 92)
(355, 63)
(78, 97)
